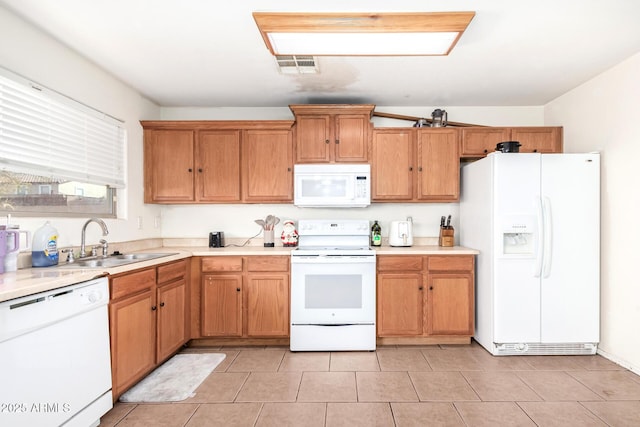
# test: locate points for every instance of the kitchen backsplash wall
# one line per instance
(238, 220)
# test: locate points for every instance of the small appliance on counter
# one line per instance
(401, 233)
(216, 239)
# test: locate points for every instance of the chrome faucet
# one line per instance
(105, 231)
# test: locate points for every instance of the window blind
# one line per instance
(44, 133)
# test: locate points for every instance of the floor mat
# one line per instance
(174, 380)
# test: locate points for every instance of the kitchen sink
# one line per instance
(113, 260)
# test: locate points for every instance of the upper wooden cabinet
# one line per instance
(267, 166)
(168, 166)
(479, 141)
(218, 166)
(200, 161)
(332, 133)
(438, 165)
(392, 164)
(415, 165)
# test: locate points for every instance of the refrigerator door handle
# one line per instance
(540, 237)
(548, 235)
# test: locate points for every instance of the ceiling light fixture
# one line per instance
(362, 34)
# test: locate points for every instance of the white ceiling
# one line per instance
(210, 53)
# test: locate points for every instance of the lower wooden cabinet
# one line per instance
(171, 292)
(425, 296)
(147, 320)
(450, 295)
(222, 305)
(245, 297)
(133, 340)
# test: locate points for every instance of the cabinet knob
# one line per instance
(288, 169)
(430, 288)
(535, 150)
(410, 168)
(200, 170)
(486, 151)
(326, 141)
(337, 141)
(154, 308)
(420, 169)
(162, 304)
(190, 170)
(420, 288)
(238, 289)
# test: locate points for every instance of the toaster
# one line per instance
(401, 233)
(216, 239)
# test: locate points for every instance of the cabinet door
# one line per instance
(392, 164)
(439, 165)
(168, 166)
(313, 139)
(351, 136)
(133, 339)
(267, 167)
(171, 303)
(222, 305)
(267, 303)
(400, 304)
(218, 166)
(538, 139)
(450, 304)
(480, 141)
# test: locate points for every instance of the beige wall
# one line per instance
(603, 115)
(27, 51)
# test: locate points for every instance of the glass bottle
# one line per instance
(376, 234)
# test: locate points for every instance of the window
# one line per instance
(57, 156)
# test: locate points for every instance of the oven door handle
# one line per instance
(333, 259)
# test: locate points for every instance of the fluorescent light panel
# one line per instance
(363, 43)
(362, 34)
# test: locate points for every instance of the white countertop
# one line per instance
(30, 281)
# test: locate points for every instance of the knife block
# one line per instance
(446, 236)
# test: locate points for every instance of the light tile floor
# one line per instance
(398, 386)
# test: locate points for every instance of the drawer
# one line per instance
(399, 263)
(450, 263)
(268, 263)
(172, 271)
(222, 263)
(132, 283)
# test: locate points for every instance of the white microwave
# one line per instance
(332, 185)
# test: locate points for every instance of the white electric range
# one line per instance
(333, 287)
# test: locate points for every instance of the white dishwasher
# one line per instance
(55, 363)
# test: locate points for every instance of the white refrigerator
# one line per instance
(535, 218)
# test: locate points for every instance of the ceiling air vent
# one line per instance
(297, 64)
